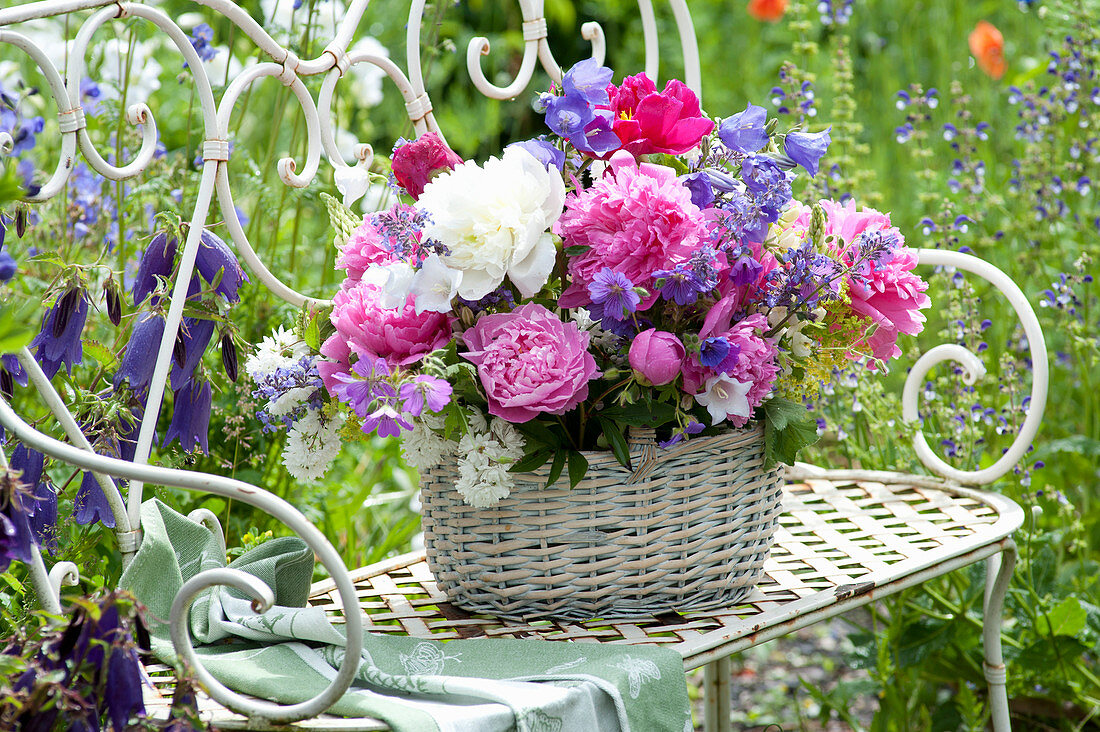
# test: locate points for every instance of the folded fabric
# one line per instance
(291, 652)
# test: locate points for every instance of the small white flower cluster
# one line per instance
(313, 440)
(484, 455)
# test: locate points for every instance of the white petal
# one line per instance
(530, 274)
(352, 183)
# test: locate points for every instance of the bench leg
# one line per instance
(716, 695)
(998, 574)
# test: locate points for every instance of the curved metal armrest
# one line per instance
(250, 494)
(973, 368)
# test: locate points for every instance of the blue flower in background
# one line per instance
(157, 261)
(89, 95)
(201, 37)
(90, 504)
(8, 267)
(214, 257)
(41, 505)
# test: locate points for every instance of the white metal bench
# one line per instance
(847, 538)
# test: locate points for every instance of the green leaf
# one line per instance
(312, 336)
(1043, 570)
(577, 249)
(1067, 618)
(578, 466)
(532, 461)
(788, 428)
(539, 432)
(556, 468)
(1049, 652)
(16, 330)
(619, 447)
(650, 415)
(100, 353)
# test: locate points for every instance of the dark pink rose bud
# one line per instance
(416, 162)
(656, 356)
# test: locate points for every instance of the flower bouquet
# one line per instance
(597, 347)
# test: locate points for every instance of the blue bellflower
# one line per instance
(713, 351)
(807, 149)
(10, 363)
(745, 131)
(41, 509)
(140, 357)
(702, 195)
(157, 261)
(568, 115)
(190, 416)
(8, 267)
(543, 151)
(194, 334)
(90, 504)
(214, 257)
(59, 340)
(588, 80)
(16, 537)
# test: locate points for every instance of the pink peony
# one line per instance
(648, 122)
(399, 336)
(888, 293)
(657, 356)
(530, 362)
(751, 359)
(415, 162)
(635, 220)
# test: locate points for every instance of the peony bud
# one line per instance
(416, 162)
(656, 356)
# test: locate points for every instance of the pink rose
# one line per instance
(400, 336)
(657, 356)
(415, 162)
(530, 362)
(648, 122)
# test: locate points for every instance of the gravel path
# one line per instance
(768, 695)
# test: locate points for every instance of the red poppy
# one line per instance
(767, 10)
(988, 46)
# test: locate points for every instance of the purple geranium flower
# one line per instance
(59, 340)
(713, 351)
(745, 131)
(138, 361)
(386, 420)
(807, 149)
(681, 284)
(190, 416)
(693, 428)
(614, 293)
(423, 391)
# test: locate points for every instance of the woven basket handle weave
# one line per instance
(647, 461)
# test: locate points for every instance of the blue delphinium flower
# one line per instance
(190, 416)
(613, 293)
(139, 359)
(806, 148)
(59, 340)
(745, 131)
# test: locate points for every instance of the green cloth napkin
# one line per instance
(291, 652)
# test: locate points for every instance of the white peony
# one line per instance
(495, 221)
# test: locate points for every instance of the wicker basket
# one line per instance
(688, 529)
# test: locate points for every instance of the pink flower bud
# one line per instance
(414, 163)
(656, 356)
